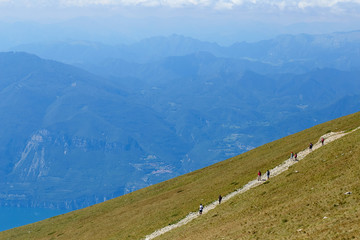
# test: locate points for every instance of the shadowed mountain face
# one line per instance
(69, 138)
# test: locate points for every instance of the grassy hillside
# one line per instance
(306, 202)
(277, 209)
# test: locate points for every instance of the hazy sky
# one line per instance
(316, 7)
(217, 4)
(223, 21)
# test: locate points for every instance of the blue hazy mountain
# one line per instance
(156, 109)
(69, 138)
(337, 50)
(147, 50)
(294, 53)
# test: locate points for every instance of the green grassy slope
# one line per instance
(306, 202)
(137, 214)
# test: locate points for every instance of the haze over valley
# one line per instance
(101, 112)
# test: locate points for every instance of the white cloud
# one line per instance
(230, 4)
(215, 4)
(83, 3)
(221, 5)
(168, 3)
(323, 3)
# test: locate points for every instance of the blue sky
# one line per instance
(223, 21)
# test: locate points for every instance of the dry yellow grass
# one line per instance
(308, 204)
(137, 214)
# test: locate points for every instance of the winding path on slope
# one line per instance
(329, 137)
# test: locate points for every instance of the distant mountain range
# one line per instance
(291, 52)
(125, 117)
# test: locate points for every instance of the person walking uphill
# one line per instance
(220, 198)
(259, 176)
(267, 174)
(322, 141)
(310, 146)
(201, 208)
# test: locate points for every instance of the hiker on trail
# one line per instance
(268, 174)
(220, 198)
(259, 176)
(310, 146)
(201, 209)
(292, 155)
(322, 141)
(295, 156)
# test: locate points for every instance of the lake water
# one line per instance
(11, 217)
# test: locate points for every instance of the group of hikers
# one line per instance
(201, 208)
(267, 175)
(293, 156)
(322, 140)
